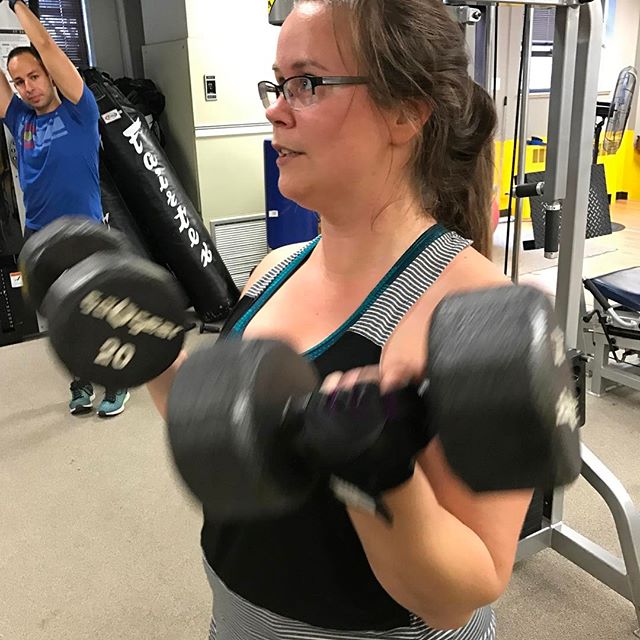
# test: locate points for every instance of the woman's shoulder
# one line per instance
(271, 260)
(471, 270)
(467, 271)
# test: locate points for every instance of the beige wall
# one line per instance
(234, 42)
(231, 170)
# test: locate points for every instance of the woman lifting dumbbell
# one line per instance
(379, 129)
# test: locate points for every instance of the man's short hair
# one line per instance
(17, 51)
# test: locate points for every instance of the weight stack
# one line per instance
(152, 192)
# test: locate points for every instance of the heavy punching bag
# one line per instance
(155, 197)
(116, 215)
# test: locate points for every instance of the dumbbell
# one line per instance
(113, 318)
(498, 393)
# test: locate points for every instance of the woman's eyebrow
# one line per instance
(302, 64)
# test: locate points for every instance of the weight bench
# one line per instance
(614, 327)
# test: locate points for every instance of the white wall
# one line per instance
(635, 113)
(8, 19)
(132, 31)
(637, 100)
(620, 51)
(235, 42)
(509, 28)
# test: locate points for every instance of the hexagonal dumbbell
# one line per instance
(113, 318)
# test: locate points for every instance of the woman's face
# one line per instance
(338, 147)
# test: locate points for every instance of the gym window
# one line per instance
(542, 50)
(542, 44)
(65, 21)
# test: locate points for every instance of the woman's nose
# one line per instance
(279, 111)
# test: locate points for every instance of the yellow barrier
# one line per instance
(622, 169)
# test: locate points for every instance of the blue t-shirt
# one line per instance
(57, 159)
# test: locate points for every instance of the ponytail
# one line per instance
(462, 192)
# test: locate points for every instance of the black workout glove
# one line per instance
(366, 442)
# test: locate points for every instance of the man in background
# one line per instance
(55, 126)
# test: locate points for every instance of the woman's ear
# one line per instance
(408, 120)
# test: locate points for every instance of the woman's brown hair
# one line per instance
(412, 50)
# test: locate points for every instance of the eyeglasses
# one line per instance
(300, 91)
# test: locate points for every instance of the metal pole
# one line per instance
(560, 103)
(279, 10)
(574, 216)
(91, 50)
(522, 138)
(489, 50)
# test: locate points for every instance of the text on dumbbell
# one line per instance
(567, 410)
(114, 354)
(120, 312)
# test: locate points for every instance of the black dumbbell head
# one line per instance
(59, 246)
(500, 393)
(116, 320)
(225, 424)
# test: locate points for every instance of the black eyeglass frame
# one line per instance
(316, 81)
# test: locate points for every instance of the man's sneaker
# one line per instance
(113, 403)
(82, 396)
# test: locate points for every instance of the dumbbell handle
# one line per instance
(329, 436)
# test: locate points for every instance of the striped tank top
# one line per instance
(304, 575)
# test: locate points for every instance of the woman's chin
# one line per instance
(295, 192)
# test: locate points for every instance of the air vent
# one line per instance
(242, 243)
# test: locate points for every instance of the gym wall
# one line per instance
(102, 18)
(621, 49)
(215, 145)
(116, 34)
(226, 39)
(234, 42)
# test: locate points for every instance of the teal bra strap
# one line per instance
(427, 238)
(241, 324)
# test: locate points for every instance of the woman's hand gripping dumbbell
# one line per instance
(252, 438)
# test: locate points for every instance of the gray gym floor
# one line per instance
(98, 540)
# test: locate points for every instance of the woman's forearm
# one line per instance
(428, 560)
(160, 387)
